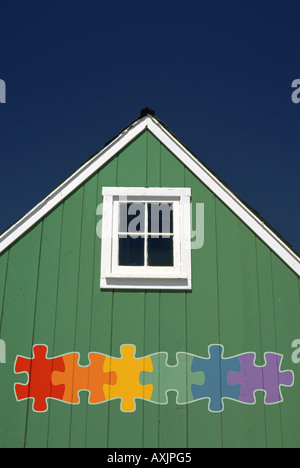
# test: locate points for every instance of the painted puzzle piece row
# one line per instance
(150, 378)
(63, 378)
(238, 378)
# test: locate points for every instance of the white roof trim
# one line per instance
(212, 182)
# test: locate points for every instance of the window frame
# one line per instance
(114, 276)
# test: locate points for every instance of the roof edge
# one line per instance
(60, 193)
(163, 134)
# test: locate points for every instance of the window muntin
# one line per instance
(146, 234)
(146, 237)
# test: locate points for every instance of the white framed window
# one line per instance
(146, 238)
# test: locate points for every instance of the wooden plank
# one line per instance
(153, 178)
(65, 325)
(101, 321)
(125, 429)
(37, 424)
(268, 335)
(172, 171)
(17, 331)
(132, 163)
(152, 306)
(172, 417)
(128, 324)
(202, 311)
(239, 322)
(82, 345)
(152, 346)
(287, 321)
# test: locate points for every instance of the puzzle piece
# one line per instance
(216, 387)
(165, 378)
(267, 378)
(39, 386)
(128, 369)
(90, 378)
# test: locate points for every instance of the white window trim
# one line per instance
(116, 277)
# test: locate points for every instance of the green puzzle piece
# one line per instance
(165, 378)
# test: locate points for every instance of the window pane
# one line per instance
(132, 217)
(131, 251)
(160, 251)
(160, 217)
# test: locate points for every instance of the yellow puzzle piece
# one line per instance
(128, 387)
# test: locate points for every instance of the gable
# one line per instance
(49, 292)
(140, 169)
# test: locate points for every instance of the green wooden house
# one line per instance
(144, 305)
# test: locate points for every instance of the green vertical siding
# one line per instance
(44, 326)
(17, 327)
(239, 320)
(242, 297)
(287, 322)
(203, 315)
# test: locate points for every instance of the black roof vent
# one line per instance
(147, 111)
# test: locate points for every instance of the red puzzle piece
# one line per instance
(39, 386)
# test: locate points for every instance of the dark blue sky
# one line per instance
(217, 73)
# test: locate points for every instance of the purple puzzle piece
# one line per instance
(268, 378)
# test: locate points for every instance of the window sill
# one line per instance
(176, 281)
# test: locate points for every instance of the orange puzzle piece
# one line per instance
(90, 378)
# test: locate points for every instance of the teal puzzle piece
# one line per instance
(216, 369)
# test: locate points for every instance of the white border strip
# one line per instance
(101, 158)
(163, 192)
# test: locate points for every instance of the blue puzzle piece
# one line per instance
(216, 369)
